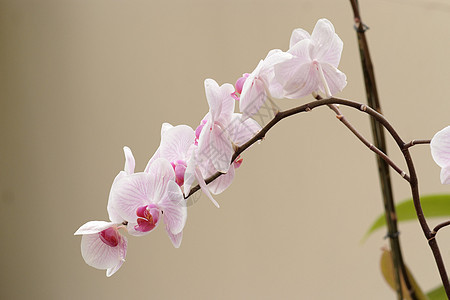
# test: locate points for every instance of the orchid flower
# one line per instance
(214, 140)
(142, 199)
(239, 131)
(102, 246)
(219, 133)
(313, 65)
(440, 150)
(177, 146)
(260, 84)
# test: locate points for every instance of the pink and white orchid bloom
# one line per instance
(175, 146)
(440, 150)
(102, 246)
(261, 85)
(313, 65)
(128, 170)
(142, 199)
(214, 141)
(240, 130)
(217, 136)
(178, 144)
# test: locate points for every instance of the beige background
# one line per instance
(81, 79)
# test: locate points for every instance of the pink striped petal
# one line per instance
(93, 227)
(164, 173)
(129, 161)
(102, 256)
(445, 175)
(113, 214)
(253, 93)
(221, 103)
(131, 192)
(303, 82)
(242, 130)
(174, 208)
(222, 182)
(221, 149)
(204, 187)
(175, 238)
(176, 142)
(336, 80)
(323, 36)
(298, 35)
(440, 147)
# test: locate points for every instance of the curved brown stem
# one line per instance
(401, 144)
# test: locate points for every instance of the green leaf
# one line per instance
(437, 294)
(432, 205)
(387, 269)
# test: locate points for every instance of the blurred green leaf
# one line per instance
(387, 269)
(432, 205)
(437, 294)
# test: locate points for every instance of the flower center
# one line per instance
(239, 85)
(110, 236)
(179, 166)
(198, 130)
(148, 217)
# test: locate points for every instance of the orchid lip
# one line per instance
(148, 217)
(110, 236)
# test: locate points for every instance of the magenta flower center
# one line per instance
(148, 217)
(239, 85)
(179, 166)
(237, 163)
(110, 236)
(198, 130)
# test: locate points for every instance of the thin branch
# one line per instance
(416, 142)
(306, 108)
(432, 242)
(369, 145)
(380, 143)
(385, 123)
(439, 226)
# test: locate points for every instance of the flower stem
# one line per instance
(383, 168)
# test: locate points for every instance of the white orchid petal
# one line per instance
(92, 227)
(176, 142)
(189, 174)
(113, 214)
(298, 35)
(242, 130)
(122, 254)
(303, 82)
(165, 127)
(221, 149)
(333, 55)
(204, 187)
(174, 208)
(336, 80)
(99, 255)
(445, 175)
(253, 96)
(131, 192)
(222, 182)
(221, 103)
(440, 147)
(164, 173)
(175, 238)
(302, 51)
(322, 36)
(129, 160)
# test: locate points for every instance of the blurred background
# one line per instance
(81, 79)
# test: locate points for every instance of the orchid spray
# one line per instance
(208, 157)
